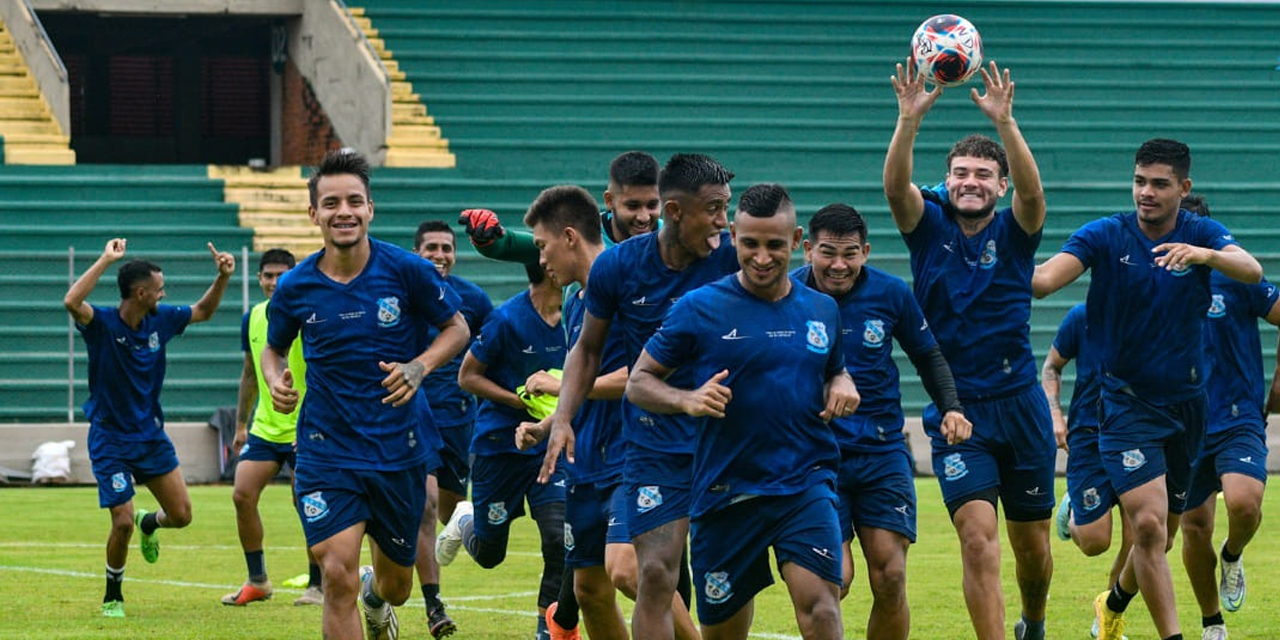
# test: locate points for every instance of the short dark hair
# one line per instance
(564, 206)
(634, 169)
(689, 172)
(838, 219)
(132, 274)
(763, 200)
(343, 161)
(276, 256)
(433, 226)
(979, 146)
(535, 273)
(1195, 203)
(1165, 151)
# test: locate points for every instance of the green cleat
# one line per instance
(149, 543)
(113, 609)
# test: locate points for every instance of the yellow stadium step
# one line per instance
(31, 135)
(272, 202)
(415, 140)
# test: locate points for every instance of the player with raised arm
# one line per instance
(875, 487)
(765, 464)
(1146, 305)
(972, 265)
(127, 442)
(365, 447)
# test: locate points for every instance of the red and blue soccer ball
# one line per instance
(947, 49)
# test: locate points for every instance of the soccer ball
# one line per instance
(948, 49)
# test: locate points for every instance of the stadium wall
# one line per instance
(196, 443)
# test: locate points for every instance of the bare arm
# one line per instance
(1273, 396)
(1055, 273)
(204, 308)
(1051, 381)
(647, 388)
(404, 378)
(997, 105)
(472, 379)
(246, 397)
(284, 398)
(1232, 260)
(905, 202)
(74, 301)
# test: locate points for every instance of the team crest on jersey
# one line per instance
(988, 258)
(817, 337)
(314, 506)
(119, 482)
(153, 341)
(873, 333)
(1133, 459)
(388, 311)
(497, 512)
(953, 467)
(568, 537)
(648, 498)
(718, 588)
(1178, 273)
(1217, 307)
(1090, 499)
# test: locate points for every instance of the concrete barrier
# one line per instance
(196, 443)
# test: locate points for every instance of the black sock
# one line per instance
(1227, 556)
(431, 596)
(114, 579)
(371, 598)
(567, 610)
(1119, 599)
(685, 586)
(315, 575)
(257, 564)
(1209, 621)
(150, 523)
(1176, 636)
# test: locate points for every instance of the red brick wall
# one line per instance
(306, 133)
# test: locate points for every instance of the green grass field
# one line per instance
(51, 579)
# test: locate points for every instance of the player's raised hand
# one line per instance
(114, 249)
(841, 398)
(956, 428)
(711, 398)
(1176, 256)
(284, 398)
(997, 102)
(529, 434)
(402, 381)
(561, 440)
(909, 85)
(482, 226)
(225, 262)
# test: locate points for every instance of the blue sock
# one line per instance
(257, 564)
(1033, 629)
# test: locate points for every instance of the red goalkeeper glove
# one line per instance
(482, 226)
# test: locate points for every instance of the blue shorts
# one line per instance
(1241, 450)
(1141, 441)
(650, 506)
(455, 459)
(591, 522)
(500, 485)
(1012, 449)
(260, 450)
(730, 547)
(1087, 483)
(119, 464)
(877, 490)
(390, 503)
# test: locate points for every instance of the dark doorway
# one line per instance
(166, 90)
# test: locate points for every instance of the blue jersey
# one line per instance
(779, 356)
(383, 314)
(632, 287)
(1148, 321)
(514, 344)
(598, 425)
(126, 369)
(1236, 386)
(450, 405)
(878, 309)
(976, 293)
(1072, 343)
